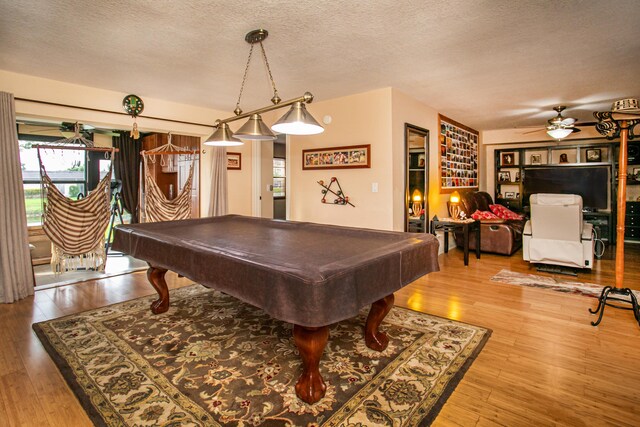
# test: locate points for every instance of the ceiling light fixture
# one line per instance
(560, 127)
(559, 133)
(297, 121)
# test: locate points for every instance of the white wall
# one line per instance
(356, 120)
(408, 110)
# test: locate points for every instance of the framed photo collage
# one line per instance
(458, 155)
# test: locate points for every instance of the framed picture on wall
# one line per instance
(504, 176)
(508, 159)
(593, 155)
(458, 155)
(352, 156)
(234, 161)
(536, 159)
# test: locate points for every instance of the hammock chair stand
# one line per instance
(76, 228)
(157, 207)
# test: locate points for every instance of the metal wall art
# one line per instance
(340, 197)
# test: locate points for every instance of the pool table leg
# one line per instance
(375, 339)
(310, 342)
(156, 278)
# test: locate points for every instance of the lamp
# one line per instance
(297, 121)
(559, 133)
(254, 129)
(454, 205)
(222, 137)
(416, 196)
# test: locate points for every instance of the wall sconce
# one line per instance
(416, 207)
(297, 121)
(454, 205)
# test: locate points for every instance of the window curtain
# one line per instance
(218, 205)
(16, 272)
(127, 170)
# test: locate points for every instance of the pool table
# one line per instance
(310, 275)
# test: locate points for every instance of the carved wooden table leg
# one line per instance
(375, 339)
(310, 342)
(156, 278)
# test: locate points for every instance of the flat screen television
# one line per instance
(590, 182)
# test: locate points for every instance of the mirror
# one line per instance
(416, 179)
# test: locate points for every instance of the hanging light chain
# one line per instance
(238, 110)
(276, 99)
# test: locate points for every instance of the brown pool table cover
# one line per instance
(303, 273)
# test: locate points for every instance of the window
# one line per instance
(279, 173)
(66, 168)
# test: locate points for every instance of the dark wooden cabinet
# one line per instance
(170, 173)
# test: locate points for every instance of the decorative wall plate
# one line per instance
(133, 105)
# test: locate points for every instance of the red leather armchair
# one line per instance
(496, 236)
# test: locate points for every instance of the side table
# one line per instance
(447, 225)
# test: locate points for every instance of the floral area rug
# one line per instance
(212, 360)
(586, 289)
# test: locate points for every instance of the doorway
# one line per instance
(416, 208)
(270, 178)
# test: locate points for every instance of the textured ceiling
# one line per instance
(491, 64)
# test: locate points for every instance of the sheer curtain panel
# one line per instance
(16, 274)
(219, 202)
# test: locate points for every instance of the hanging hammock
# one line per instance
(156, 205)
(76, 227)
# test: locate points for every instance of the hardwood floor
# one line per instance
(543, 365)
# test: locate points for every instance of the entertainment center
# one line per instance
(588, 169)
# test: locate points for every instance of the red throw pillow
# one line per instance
(483, 215)
(503, 212)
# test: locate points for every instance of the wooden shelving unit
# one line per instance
(510, 192)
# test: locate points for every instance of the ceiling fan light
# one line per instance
(559, 133)
(255, 129)
(222, 137)
(297, 121)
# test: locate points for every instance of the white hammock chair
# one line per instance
(156, 205)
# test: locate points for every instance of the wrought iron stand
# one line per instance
(607, 295)
(625, 115)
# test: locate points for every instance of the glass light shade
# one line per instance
(416, 195)
(222, 137)
(559, 133)
(255, 129)
(455, 197)
(297, 121)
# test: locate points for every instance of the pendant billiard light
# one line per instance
(297, 121)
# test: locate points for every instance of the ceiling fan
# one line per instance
(560, 127)
(63, 128)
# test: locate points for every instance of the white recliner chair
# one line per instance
(556, 233)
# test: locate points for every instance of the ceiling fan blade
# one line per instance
(533, 131)
(43, 130)
(575, 130)
(585, 124)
